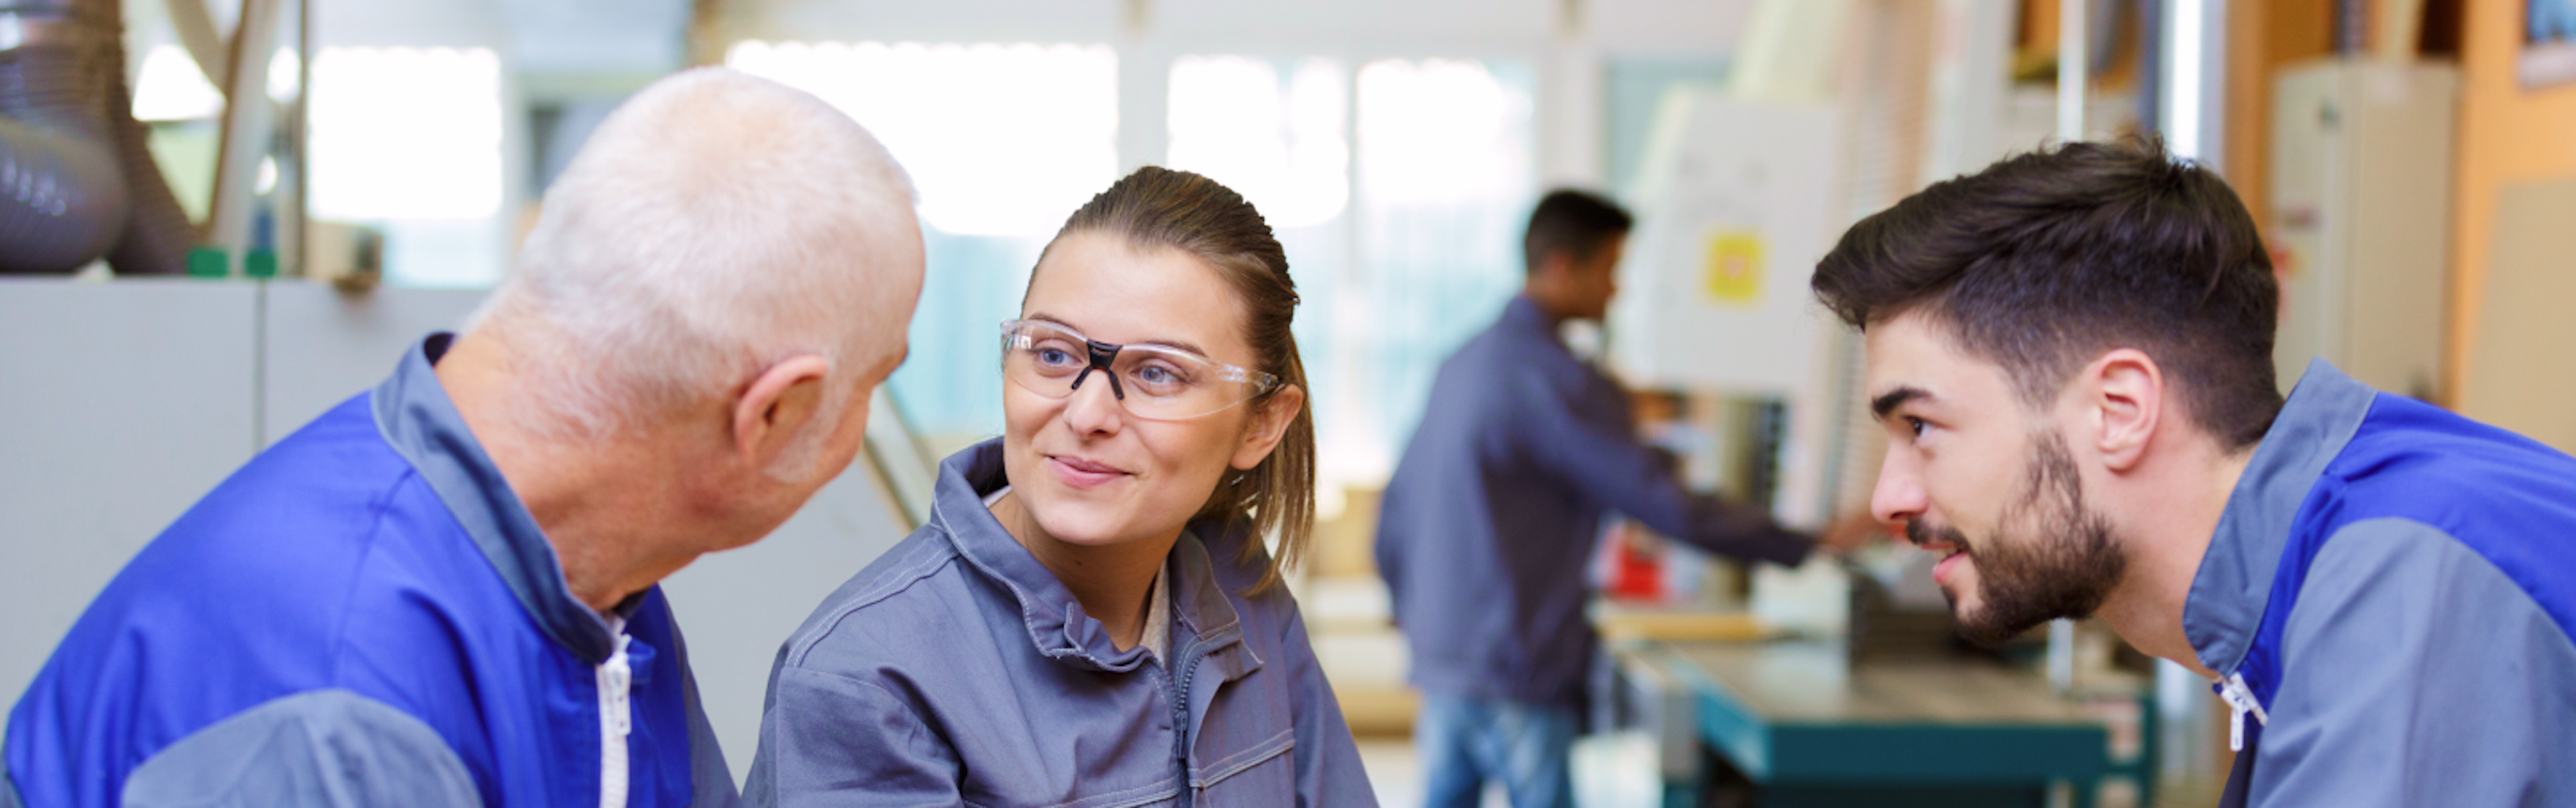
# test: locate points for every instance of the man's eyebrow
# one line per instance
(1888, 402)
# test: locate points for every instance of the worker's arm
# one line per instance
(309, 750)
(2415, 673)
(1613, 467)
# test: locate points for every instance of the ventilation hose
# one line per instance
(77, 181)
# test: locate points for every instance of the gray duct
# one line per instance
(77, 181)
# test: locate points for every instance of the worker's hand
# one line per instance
(1854, 531)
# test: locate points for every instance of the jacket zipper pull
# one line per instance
(616, 677)
(2240, 700)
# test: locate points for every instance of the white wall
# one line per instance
(119, 405)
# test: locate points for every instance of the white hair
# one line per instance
(713, 226)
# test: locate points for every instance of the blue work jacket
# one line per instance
(956, 669)
(1492, 515)
(365, 614)
(2390, 592)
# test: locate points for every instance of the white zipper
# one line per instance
(2240, 700)
(614, 721)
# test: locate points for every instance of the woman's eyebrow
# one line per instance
(1180, 344)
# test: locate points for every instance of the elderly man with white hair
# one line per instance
(443, 592)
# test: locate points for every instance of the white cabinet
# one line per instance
(2360, 218)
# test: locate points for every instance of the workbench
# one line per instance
(1811, 730)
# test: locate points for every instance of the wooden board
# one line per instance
(2521, 372)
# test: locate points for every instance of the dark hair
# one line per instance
(1159, 207)
(1574, 222)
(2042, 262)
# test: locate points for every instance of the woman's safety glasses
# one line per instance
(1153, 382)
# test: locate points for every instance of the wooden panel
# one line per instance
(2522, 374)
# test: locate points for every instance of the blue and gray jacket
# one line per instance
(365, 614)
(2388, 599)
(957, 670)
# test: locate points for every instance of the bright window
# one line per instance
(409, 140)
(403, 133)
(1273, 135)
(1446, 167)
(1001, 140)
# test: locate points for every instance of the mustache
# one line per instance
(1919, 532)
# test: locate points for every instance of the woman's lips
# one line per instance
(1080, 473)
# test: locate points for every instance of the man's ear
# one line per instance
(779, 405)
(1269, 424)
(2125, 397)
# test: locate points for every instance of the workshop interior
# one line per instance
(220, 218)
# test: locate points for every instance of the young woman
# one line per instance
(1089, 618)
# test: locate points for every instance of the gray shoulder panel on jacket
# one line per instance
(2416, 673)
(316, 748)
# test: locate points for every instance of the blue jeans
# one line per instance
(1467, 742)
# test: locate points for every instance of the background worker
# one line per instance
(1492, 515)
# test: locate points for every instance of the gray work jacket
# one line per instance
(956, 669)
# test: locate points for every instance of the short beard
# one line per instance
(2063, 563)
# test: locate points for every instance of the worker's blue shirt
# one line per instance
(365, 614)
(2395, 585)
(1491, 517)
(958, 670)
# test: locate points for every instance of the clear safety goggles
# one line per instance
(1153, 382)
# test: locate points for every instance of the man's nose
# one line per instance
(1899, 496)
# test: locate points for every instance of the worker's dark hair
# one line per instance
(1573, 222)
(2044, 261)
(1158, 207)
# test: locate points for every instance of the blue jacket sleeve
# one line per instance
(1615, 469)
(2416, 673)
(1328, 761)
(312, 749)
(833, 740)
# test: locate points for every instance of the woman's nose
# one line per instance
(1093, 407)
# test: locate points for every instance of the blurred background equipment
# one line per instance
(77, 180)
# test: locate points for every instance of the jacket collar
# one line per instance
(1057, 625)
(1523, 314)
(2224, 609)
(414, 414)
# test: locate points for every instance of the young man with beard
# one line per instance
(2072, 352)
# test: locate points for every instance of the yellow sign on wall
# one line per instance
(1733, 266)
